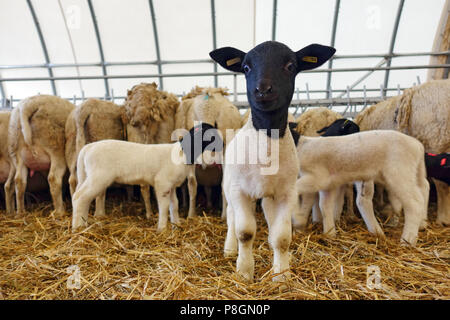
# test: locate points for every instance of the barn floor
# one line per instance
(122, 257)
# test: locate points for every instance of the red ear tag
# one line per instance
(443, 161)
(432, 154)
(196, 129)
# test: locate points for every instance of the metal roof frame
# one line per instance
(42, 41)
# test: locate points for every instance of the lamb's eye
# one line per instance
(246, 69)
(289, 67)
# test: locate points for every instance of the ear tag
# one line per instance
(206, 97)
(443, 162)
(310, 59)
(432, 154)
(233, 61)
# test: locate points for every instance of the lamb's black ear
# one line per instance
(350, 124)
(228, 57)
(322, 130)
(293, 125)
(313, 56)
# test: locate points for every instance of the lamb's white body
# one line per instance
(384, 156)
(104, 162)
(245, 182)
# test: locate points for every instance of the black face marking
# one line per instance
(270, 70)
(340, 127)
(200, 138)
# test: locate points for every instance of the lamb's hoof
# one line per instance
(408, 241)
(282, 277)
(229, 253)
(330, 234)
(77, 227)
(423, 225)
(443, 222)
(99, 215)
(245, 276)
(299, 227)
(20, 214)
(161, 229)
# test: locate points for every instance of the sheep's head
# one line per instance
(270, 70)
(340, 127)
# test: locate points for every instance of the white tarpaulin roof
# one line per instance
(187, 30)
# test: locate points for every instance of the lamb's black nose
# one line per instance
(263, 88)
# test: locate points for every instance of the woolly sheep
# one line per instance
(91, 121)
(422, 112)
(329, 162)
(308, 124)
(164, 166)
(209, 105)
(6, 166)
(150, 118)
(36, 143)
(270, 70)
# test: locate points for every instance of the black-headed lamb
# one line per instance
(261, 162)
(326, 163)
(164, 166)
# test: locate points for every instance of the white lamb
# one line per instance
(385, 156)
(163, 166)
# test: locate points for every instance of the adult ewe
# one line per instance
(261, 162)
(36, 143)
(6, 166)
(211, 106)
(422, 112)
(150, 118)
(93, 120)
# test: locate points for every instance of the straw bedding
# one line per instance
(122, 257)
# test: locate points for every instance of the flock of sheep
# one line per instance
(101, 143)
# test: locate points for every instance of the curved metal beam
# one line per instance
(274, 20)
(100, 47)
(213, 20)
(43, 45)
(391, 46)
(333, 40)
(155, 36)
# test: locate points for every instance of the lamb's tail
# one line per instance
(404, 110)
(81, 171)
(82, 114)
(26, 110)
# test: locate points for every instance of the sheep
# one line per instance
(340, 127)
(438, 166)
(329, 162)
(422, 112)
(211, 106)
(36, 143)
(164, 166)
(150, 118)
(91, 121)
(308, 123)
(7, 170)
(270, 70)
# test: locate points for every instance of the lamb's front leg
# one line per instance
(145, 192)
(327, 203)
(300, 216)
(278, 216)
(364, 202)
(174, 216)
(192, 187)
(100, 205)
(245, 228)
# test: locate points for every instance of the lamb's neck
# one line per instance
(179, 154)
(270, 120)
